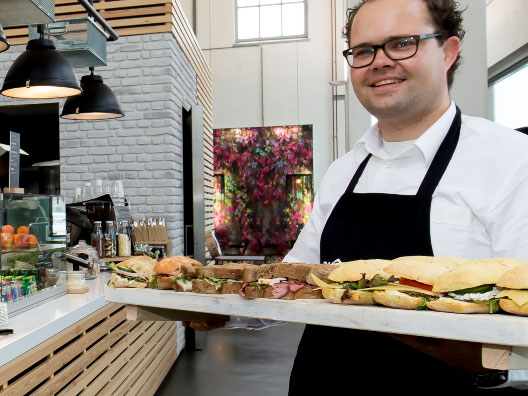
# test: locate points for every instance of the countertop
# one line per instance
(44, 321)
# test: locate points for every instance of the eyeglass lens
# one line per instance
(396, 49)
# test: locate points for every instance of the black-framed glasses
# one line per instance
(397, 48)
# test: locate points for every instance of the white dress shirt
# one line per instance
(480, 207)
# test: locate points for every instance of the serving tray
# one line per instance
(501, 329)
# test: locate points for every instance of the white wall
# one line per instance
(273, 84)
(507, 28)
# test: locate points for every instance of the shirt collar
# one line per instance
(428, 143)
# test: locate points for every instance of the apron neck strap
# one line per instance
(357, 175)
(442, 158)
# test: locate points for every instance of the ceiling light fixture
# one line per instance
(40, 72)
(97, 102)
(4, 44)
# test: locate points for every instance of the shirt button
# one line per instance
(388, 164)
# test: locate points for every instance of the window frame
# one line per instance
(260, 40)
(502, 70)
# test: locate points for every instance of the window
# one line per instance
(259, 20)
(510, 99)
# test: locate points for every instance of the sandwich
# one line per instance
(176, 273)
(221, 279)
(353, 281)
(471, 288)
(134, 272)
(414, 288)
(514, 295)
(434, 260)
(287, 281)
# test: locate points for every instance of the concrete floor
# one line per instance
(236, 362)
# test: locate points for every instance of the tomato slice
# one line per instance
(409, 282)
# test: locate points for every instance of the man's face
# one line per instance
(406, 88)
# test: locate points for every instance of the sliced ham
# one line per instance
(241, 291)
(280, 290)
(295, 286)
(131, 274)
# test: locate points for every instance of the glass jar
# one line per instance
(110, 240)
(76, 281)
(124, 243)
(98, 238)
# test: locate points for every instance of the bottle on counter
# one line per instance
(124, 242)
(110, 240)
(98, 239)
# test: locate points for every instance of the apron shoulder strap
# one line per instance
(441, 159)
(357, 175)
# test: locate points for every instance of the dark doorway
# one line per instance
(38, 126)
(188, 183)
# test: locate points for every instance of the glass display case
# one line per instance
(33, 242)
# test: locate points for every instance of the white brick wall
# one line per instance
(153, 81)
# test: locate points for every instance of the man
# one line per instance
(423, 181)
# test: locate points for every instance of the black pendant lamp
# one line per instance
(97, 102)
(40, 72)
(4, 44)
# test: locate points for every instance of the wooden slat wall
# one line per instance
(188, 42)
(133, 17)
(103, 354)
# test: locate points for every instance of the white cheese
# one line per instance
(475, 296)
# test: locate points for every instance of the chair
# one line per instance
(216, 252)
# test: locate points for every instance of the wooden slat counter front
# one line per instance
(504, 337)
(78, 343)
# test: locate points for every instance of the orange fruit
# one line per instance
(6, 239)
(21, 240)
(22, 230)
(8, 229)
(32, 240)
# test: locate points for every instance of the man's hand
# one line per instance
(204, 325)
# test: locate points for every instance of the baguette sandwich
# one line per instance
(416, 276)
(471, 288)
(176, 273)
(221, 279)
(135, 272)
(514, 295)
(287, 281)
(352, 281)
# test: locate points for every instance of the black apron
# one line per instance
(383, 226)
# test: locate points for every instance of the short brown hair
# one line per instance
(446, 17)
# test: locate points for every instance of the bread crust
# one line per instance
(401, 301)
(421, 271)
(515, 278)
(473, 274)
(203, 287)
(118, 281)
(226, 271)
(231, 287)
(355, 297)
(353, 271)
(165, 282)
(455, 306)
(321, 271)
(308, 292)
(254, 292)
(143, 265)
(182, 286)
(296, 271)
(512, 307)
